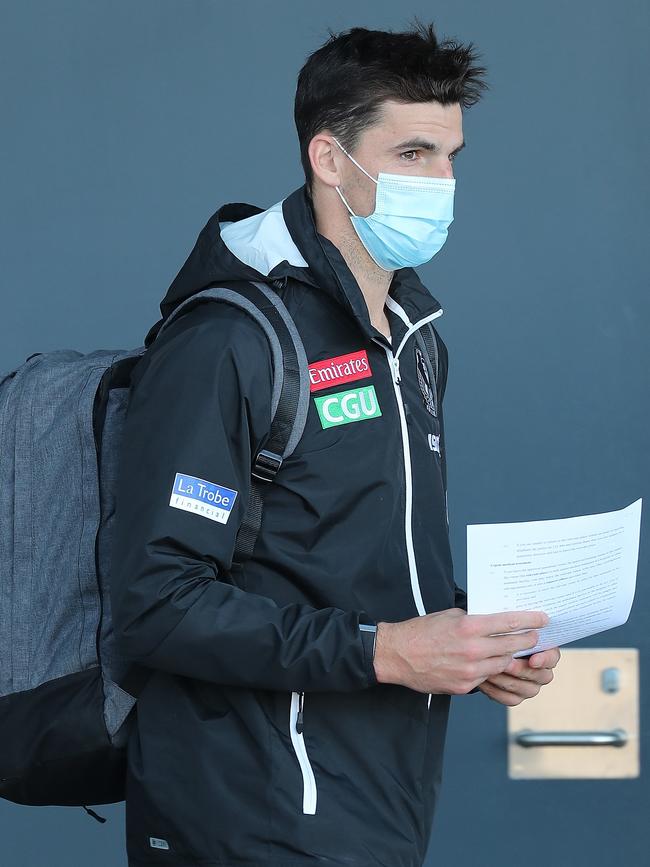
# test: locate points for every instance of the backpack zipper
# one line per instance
(296, 726)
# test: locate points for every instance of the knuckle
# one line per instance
(524, 641)
(468, 672)
(472, 650)
(513, 644)
(497, 666)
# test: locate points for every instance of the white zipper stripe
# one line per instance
(411, 327)
(309, 793)
(406, 451)
(415, 327)
(398, 309)
(393, 361)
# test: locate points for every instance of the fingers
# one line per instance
(498, 645)
(541, 676)
(487, 668)
(495, 655)
(508, 697)
(516, 683)
(545, 659)
(508, 675)
(521, 668)
(520, 686)
(509, 621)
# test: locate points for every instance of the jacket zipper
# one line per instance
(393, 363)
(309, 792)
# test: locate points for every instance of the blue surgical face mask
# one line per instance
(410, 221)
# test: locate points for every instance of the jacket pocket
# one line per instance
(309, 792)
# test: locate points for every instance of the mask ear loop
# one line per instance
(344, 202)
(353, 160)
(356, 164)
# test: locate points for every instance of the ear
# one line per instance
(322, 156)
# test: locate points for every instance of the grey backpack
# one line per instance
(65, 694)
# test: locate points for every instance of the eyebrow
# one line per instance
(414, 143)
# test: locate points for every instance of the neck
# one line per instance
(334, 224)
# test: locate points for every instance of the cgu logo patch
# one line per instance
(344, 407)
(337, 370)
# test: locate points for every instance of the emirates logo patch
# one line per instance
(338, 370)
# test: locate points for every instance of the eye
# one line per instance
(409, 152)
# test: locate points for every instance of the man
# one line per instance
(298, 706)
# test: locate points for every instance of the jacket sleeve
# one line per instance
(460, 596)
(199, 407)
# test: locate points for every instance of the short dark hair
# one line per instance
(342, 85)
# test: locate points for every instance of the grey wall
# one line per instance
(125, 124)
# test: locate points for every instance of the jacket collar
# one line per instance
(332, 274)
(244, 242)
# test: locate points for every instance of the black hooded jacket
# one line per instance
(263, 736)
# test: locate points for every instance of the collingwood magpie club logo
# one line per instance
(424, 382)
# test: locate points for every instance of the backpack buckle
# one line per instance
(266, 465)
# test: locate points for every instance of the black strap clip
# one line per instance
(266, 465)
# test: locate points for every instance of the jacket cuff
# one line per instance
(368, 632)
(460, 597)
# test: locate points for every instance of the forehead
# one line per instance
(431, 120)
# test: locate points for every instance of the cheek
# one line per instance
(369, 197)
(360, 198)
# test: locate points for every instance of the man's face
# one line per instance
(417, 138)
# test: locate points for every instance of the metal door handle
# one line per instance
(614, 738)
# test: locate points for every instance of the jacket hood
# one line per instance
(241, 241)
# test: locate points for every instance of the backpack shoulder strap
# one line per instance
(290, 399)
(289, 417)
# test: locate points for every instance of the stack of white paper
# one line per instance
(580, 571)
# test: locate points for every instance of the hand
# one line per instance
(452, 651)
(522, 679)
